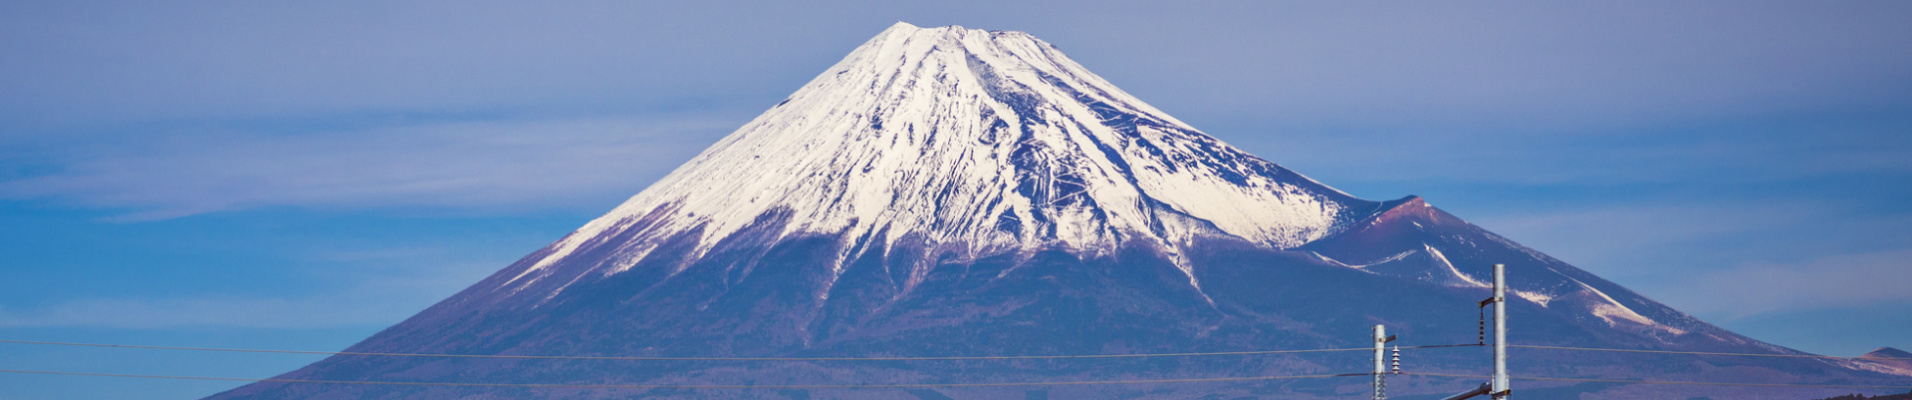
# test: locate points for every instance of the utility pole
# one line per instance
(1381, 339)
(1500, 391)
(1497, 388)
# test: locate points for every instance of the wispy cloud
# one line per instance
(396, 284)
(1846, 280)
(1726, 258)
(235, 312)
(1754, 151)
(1308, 64)
(471, 165)
(1621, 240)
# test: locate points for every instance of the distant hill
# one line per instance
(1906, 396)
(1890, 358)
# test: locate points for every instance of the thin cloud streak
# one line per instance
(1484, 66)
(365, 286)
(1847, 280)
(214, 312)
(1720, 153)
(465, 165)
(372, 303)
(1614, 240)
(1726, 259)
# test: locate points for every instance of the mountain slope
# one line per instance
(947, 191)
(984, 141)
(1888, 360)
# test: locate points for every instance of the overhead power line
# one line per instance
(924, 385)
(1707, 353)
(1654, 382)
(1137, 355)
(617, 386)
(660, 358)
(704, 358)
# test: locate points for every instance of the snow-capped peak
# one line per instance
(986, 141)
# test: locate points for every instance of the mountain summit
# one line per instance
(979, 141)
(956, 192)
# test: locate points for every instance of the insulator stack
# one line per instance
(1397, 360)
(1483, 325)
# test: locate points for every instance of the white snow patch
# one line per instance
(630, 259)
(1875, 367)
(1392, 258)
(1537, 297)
(1613, 311)
(894, 136)
(1468, 281)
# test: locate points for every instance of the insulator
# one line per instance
(1483, 326)
(1397, 359)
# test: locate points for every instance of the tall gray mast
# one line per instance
(1381, 340)
(1497, 388)
(1500, 391)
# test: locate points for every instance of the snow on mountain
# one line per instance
(958, 192)
(888, 141)
(1886, 359)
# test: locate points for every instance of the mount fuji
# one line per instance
(958, 192)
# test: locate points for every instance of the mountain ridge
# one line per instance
(948, 191)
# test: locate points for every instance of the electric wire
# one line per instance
(622, 386)
(1708, 353)
(1654, 382)
(663, 358)
(900, 358)
(1437, 346)
(853, 386)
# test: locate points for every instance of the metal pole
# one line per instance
(1380, 362)
(1500, 390)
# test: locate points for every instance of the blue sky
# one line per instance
(256, 174)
